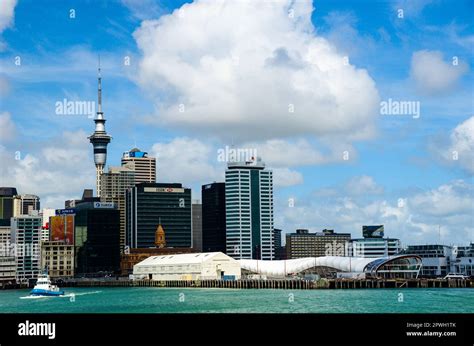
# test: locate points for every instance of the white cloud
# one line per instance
(61, 167)
(457, 148)
(363, 185)
(186, 161)
(7, 127)
(447, 208)
(283, 177)
(432, 74)
(241, 68)
(6, 14)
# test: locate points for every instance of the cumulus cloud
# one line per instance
(457, 148)
(446, 209)
(186, 161)
(7, 127)
(7, 12)
(252, 70)
(432, 74)
(283, 177)
(56, 170)
(363, 185)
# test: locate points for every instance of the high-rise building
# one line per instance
(279, 250)
(99, 139)
(148, 205)
(373, 243)
(7, 258)
(96, 238)
(249, 210)
(144, 166)
(26, 235)
(114, 185)
(45, 214)
(326, 243)
(213, 217)
(25, 204)
(196, 209)
(6, 204)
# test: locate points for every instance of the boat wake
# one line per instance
(68, 295)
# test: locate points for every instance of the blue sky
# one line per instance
(399, 158)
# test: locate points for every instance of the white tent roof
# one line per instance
(282, 268)
(190, 258)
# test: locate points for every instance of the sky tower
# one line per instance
(99, 138)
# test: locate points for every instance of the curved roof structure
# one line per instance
(293, 266)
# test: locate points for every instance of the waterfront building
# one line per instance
(6, 204)
(144, 166)
(114, 185)
(96, 238)
(400, 266)
(149, 204)
(464, 263)
(99, 139)
(57, 258)
(45, 214)
(249, 210)
(196, 210)
(25, 204)
(26, 235)
(373, 244)
(326, 243)
(213, 217)
(185, 267)
(7, 258)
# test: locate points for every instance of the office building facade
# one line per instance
(302, 244)
(96, 238)
(26, 235)
(25, 204)
(373, 244)
(58, 259)
(115, 184)
(6, 204)
(249, 210)
(7, 258)
(144, 166)
(197, 226)
(148, 205)
(213, 218)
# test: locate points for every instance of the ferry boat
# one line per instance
(44, 287)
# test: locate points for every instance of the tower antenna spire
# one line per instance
(99, 92)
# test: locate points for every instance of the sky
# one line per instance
(362, 109)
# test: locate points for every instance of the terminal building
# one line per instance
(402, 266)
(373, 244)
(197, 266)
(304, 244)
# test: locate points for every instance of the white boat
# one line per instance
(44, 287)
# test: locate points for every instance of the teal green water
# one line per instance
(193, 300)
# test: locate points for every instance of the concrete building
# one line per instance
(7, 258)
(326, 243)
(213, 217)
(26, 235)
(280, 251)
(25, 204)
(45, 214)
(198, 266)
(196, 210)
(115, 184)
(144, 166)
(373, 244)
(149, 204)
(58, 258)
(6, 204)
(249, 210)
(440, 260)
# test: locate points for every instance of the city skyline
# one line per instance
(368, 168)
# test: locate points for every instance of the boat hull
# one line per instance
(40, 292)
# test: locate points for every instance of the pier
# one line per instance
(277, 283)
